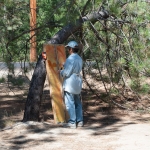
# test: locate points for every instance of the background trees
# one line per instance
(116, 48)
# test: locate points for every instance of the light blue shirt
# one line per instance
(71, 74)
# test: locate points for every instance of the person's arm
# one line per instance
(68, 68)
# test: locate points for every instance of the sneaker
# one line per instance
(80, 124)
(70, 125)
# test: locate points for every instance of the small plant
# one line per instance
(8, 123)
(15, 81)
(145, 88)
(114, 91)
(136, 85)
(2, 80)
(140, 88)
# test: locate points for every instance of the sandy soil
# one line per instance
(120, 135)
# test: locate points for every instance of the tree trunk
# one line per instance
(33, 102)
(32, 106)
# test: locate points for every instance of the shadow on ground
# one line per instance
(98, 117)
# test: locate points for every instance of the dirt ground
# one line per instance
(105, 127)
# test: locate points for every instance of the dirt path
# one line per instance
(126, 134)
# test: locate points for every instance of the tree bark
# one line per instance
(32, 106)
(33, 102)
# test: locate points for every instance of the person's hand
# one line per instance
(44, 55)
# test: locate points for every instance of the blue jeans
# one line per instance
(74, 107)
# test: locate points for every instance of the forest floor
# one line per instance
(105, 127)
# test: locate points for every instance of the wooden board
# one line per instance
(56, 57)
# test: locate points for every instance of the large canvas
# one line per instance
(56, 57)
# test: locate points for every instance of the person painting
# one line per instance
(72, 85)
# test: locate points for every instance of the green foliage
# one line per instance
(136, 84)
(2, 80)
(138, 87)
(145, 88)
(115, 8)
(12, 24)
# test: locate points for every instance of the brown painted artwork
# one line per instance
(56, 57)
